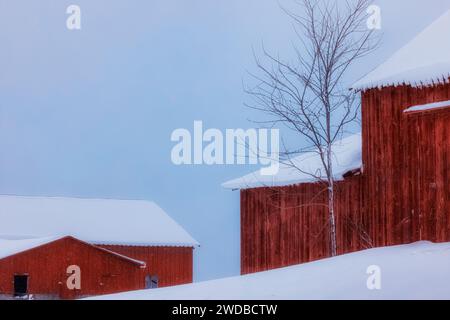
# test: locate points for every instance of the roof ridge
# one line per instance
(39, 242)
(93, 220)
(74, 197)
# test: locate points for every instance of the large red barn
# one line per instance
(397, 194)
(119, 245)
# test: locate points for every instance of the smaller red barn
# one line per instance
(116, 238)
(64, 267)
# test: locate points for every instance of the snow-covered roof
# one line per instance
(428, 107)
(343, 277)
(97, 221)
(347, 157)
(10, 247)
(423, 61)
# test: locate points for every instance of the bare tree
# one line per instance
(307, 94)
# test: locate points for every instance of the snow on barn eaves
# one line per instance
(347, 157)
(424, 61)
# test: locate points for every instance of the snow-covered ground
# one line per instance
(416, 271)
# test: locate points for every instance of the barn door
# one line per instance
(431, 172)
(20, 285)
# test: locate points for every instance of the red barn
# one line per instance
(397, 194)
(38, 268)
(119, 245)
(284, 217)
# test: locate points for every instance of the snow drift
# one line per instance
(415, 271)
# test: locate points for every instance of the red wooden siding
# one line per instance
(406, 165)
(402, 196)
(101, 272)
(172, 265)
(285, 226)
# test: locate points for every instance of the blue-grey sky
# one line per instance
(89, 113)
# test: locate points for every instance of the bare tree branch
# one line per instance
(307, 95)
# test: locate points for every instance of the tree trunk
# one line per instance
(333, 241)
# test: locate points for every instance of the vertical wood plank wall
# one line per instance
(406, 165)
(46, 266)
(101, 272)
(285, 226)
(172, 265)
(403, 195)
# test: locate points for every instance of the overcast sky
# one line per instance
(89, 113)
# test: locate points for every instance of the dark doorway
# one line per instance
(20, 285)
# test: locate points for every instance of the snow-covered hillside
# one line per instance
(416, 271)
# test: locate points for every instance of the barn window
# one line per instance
(151, 282)
(20, 285)
(154, 282)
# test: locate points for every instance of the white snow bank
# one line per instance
(423, 61)
(347, 157)
(429, 106)
(97, 221)
(416, 271)
(12, 247)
